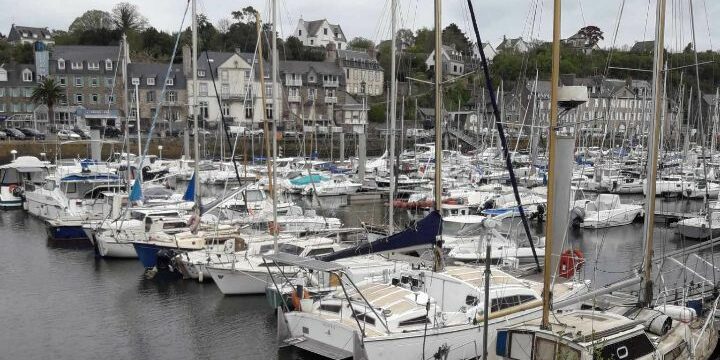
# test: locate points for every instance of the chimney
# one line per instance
(187, 64)
(330, 53)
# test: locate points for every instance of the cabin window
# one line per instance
(330, 307)
(71, 188)
(509, 301)
(545, 349)
(631, 348)
(471, 300)
(364, 317)
(521, 346)
(290, 249)
(420, 320)
(320, 251)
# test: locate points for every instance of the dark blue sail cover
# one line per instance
(422, 233)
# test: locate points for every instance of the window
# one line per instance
(319, 251)
(269, 111)
(171, 96)
(203, 89)
(76, 65)
(78, 98)
(268, 90)
(312, 93)
(247, 75)
(363, 317)
(224, 75)
(78, 81)
(110, 99)
(61, 64)
(27, 75)
(2, 108)
(631, 348)
(420, 320)
(520, 345)
(226, 109)
(225, 89)
(95, 98)
(27, 92)
(93, 66)
(312, 42)
(204, 109)
(16, 92)
(311, 78)
(63, 81)
(17, 107)
(299, 32)
(135, 81)
(169, 82)
(330, 307)
(201, 73)
(324, 31)
(150, 96)
(109, 82)
(108, 64)
(329, 93)
(248, 111)
(150, 81)
(94, 82)
(2, 92)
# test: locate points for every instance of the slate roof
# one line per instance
(313, 28)
(358, 59)
(304, 67)
(643, 46)
(85, 53)
(158, 71)
(14, 74)
(28, 32)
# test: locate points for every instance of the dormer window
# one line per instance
(61, 64)
(150, 81)
(201, 73)
(108, 64)
(135, 81)
(169, 82)
(324, 31)
(93, 66)
(3, 74)
(299, 32)
(27, 75)
(76, 65)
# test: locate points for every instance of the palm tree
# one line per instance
(49, 93)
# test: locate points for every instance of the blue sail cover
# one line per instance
(423, 233)
(136, 192)
(308, 179)
(190, 191)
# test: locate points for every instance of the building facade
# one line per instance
(29, 35)
(363, 73)
(171, 106)
(320, 33)
(453, 62)
(17, 82)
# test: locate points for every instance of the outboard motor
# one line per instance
(577, 215)
(489, 204)
(165, 259)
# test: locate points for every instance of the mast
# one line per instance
(126, 56)
(261, 65)
(648, 228)
(552, 139)
(137, 128)
(438, 104)
(276, 111)
(393, 119)
(195, 102)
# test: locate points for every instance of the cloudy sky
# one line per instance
(370, 18)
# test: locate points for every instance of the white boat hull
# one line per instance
(240, 282)
(610, 218)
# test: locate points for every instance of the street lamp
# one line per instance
(160, 147)
(13, 152)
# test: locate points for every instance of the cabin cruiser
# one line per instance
(337, 185)
(605, 211)
(23, 173)
(701, 227)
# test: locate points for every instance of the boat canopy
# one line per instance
(26, 164)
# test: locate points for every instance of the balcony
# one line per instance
(331, 83)
(232, 96)
(331, 99)
(293, 82)
(294, 98)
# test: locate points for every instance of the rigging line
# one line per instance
(647, 18)
(582, 13)
(615, 35)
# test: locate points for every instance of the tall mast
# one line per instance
(276, 111)
(195, 102)
(438, 104)
(393, 119)
(126, 56)
(649, 226)
(552, 139)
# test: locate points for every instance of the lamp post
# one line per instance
(14, 153)
(160, 147)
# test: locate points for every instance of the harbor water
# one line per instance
(67, 303)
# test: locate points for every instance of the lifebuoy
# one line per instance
(295, 298)
(570, 262)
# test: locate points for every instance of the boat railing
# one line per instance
(710, 315)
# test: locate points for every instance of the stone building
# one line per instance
(17, 82)
(311, 90)
(172, 104)
(363, 73)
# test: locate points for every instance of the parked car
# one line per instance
(67, 135)
(83, 134)
(111, 132)
(32, 134)
(15, 134)
(3, 135)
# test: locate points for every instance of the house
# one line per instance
(580, 42)
(514, 45)
(311, 90)
(170, 106)
(489, 51)
(363, 73)
(92, 79)
(320, 33)
(29, 35)
(643, 47)
(235, 78)
(17, 82)
(452, 61)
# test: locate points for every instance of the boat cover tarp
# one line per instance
(422, 233)
(308, 179)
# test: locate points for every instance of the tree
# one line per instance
(246, 15)
(92, 20)
(592, 35)
(127, 18)
(48, 93)
(405, 38)
(23, 53)
(452, 35)
(688, 49)
(361, 43)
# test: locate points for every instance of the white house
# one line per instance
(515, 45)
(452, 61)
(487, 48)
(320, 33)
(238, 84)
(29, 35)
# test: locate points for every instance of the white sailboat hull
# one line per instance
(240, 282)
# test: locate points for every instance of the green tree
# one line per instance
(127, 18)
(23, 54)
(49, 93)
(592, 35)
(361, 43)
(452, 35)
(92, 20)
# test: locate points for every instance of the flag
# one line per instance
(190, 191)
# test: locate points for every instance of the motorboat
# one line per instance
(23, 173)
(337, 185)
(605, 211)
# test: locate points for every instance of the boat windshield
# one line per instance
(290, 249)
(253, 195)
(451, 228)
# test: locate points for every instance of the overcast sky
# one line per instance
(370, 18)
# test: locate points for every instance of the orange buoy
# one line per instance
(570, 262)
